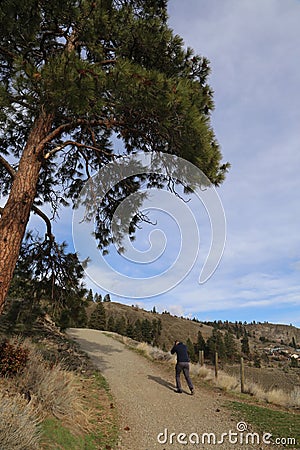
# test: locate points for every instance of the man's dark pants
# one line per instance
(185, 368)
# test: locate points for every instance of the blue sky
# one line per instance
(253, 47)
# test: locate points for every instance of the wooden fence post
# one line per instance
(216, 365)
(201, 357)
(242, 375)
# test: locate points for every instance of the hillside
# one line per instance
(262, 336)
(172, 327)
(276, 333)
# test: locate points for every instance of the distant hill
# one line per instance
(279, 334)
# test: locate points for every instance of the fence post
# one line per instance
(201, 357)
(242, 376)
(216, 365)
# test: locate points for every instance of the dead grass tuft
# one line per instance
(55, 391)
(154, 353)
(295, 397)
(18, 424)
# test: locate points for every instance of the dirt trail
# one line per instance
(145, 398)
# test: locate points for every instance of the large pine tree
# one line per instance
(75, 74)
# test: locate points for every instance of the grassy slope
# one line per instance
(103, 431)
(172, 326)
(282, 425)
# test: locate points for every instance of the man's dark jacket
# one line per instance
(181, 351)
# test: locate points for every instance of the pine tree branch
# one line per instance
(8, 167)
(109, 123)
(75, 144)
(47, 221)
(108, 61)
(6, 52)
(12, 172)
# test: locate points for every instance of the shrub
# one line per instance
(13, 358)
(53, 389)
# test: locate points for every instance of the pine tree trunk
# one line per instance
(15, 214)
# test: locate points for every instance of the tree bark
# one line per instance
(16, 212)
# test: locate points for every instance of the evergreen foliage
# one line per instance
(47, 279)
(190, 349)
(215, 344)
(230, 346)
(90, 296)
(121, 326)
(200, 345)
(75, 75)
(111, 324)
(98, 318)
(97, 298)
(245, 345)
(137, 334)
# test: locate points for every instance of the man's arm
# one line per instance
(174, 348)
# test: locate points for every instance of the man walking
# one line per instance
(182, 365)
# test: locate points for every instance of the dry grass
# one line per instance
(38, 392)
(53, 389)
(154, 353)
(18, 424)
(232, 383)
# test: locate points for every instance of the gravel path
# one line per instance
(145, 398)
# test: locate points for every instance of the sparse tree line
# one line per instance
(238, 328)
(141, 330)
(224, 344)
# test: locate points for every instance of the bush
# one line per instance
(53, 389)
(13, 358)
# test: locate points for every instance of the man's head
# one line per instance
(176, 342)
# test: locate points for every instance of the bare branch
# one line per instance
(87, 169)
(76, 144)
(47, 221)
(171, 187)
(12, 172)
(144, 218)
(108, 61)
(9, 168)
(71, 125)
(6, 52)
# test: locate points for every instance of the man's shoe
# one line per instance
(178, 391)
(192, 392)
